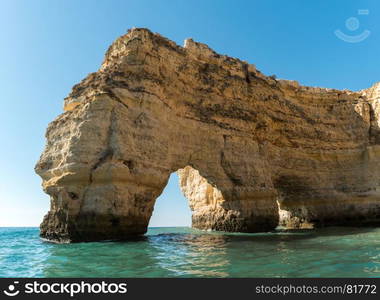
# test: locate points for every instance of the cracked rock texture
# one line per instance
(252, 152)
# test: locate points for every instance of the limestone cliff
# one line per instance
(251, 151)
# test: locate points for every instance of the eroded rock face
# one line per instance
(251, 151)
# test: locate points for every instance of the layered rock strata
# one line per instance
(251, 151)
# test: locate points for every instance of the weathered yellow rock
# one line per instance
(252, 151)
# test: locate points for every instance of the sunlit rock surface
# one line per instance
(252, 152)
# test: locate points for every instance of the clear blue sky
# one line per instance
(48, 46)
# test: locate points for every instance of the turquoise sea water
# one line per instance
(184, 252)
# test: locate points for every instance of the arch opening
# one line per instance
(188, 199)
(171, 208)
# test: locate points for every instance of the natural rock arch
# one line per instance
(252, 151)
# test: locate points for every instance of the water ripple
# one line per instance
(184, 252)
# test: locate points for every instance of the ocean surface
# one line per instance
(185, 252)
